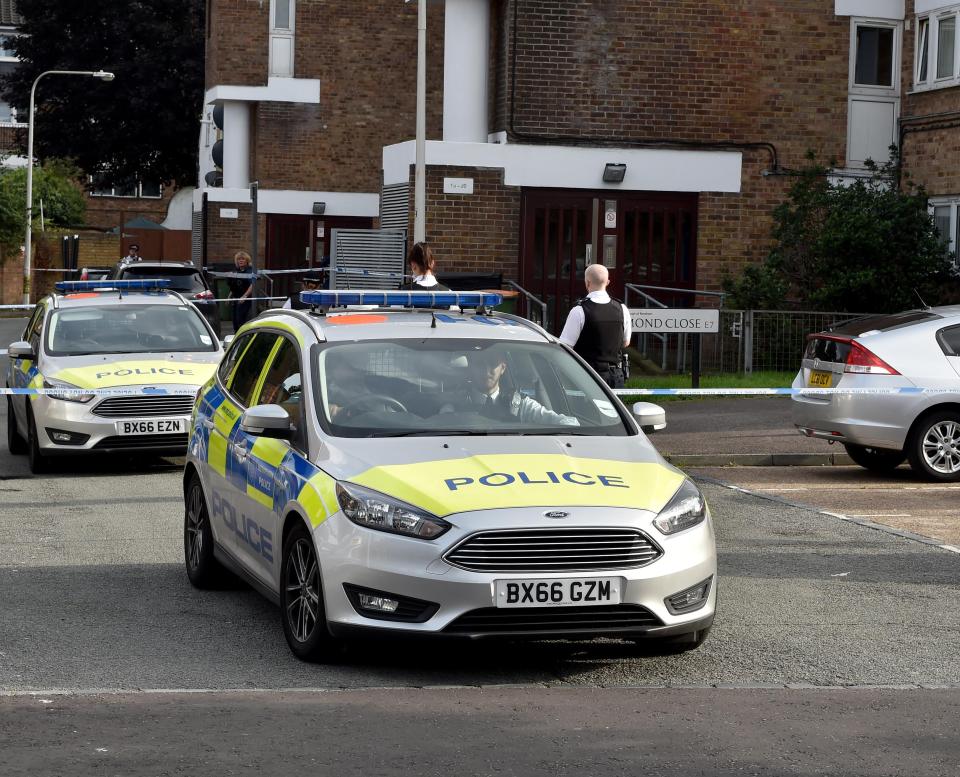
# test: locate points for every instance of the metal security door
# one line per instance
(657, 238)
(556, 246)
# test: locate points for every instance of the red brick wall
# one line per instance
(930, 146)
(479, 232)
(237, 33)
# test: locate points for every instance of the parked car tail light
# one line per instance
(206, 294)
(863, 361)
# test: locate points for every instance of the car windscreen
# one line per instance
(409, 387)
(127, 329)
(181, 279)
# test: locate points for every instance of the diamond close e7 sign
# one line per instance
(675, 320)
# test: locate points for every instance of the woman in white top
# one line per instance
(421, 263)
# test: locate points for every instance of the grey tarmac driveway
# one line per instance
(502, 731)
(95, 597)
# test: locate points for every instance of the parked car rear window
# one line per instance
(885, 323)
(181, 279)
(949, 340)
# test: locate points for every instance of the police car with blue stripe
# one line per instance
(107, 367)
(428, 466)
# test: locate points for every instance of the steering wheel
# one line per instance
(374, 402)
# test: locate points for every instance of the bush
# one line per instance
(54, 184)
(861, 246)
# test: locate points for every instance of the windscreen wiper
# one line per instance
(436, 433)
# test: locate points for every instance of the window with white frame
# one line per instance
(936, 56)
(944, 212)
(873, 102)
(282, 25)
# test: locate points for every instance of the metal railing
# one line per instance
(531, 300)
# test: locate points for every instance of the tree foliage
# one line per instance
(54, 185)
(142, 125)
(861, 246)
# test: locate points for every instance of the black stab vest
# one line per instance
(601, 339)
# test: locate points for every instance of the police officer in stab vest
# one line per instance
(598, 327)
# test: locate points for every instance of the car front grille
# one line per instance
(142, 441)
(614, 618)
(144, 406)
(554, 550)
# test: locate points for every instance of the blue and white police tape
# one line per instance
(775, 392)
(102, 392)
(630, 392)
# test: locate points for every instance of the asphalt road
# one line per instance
(97, 618)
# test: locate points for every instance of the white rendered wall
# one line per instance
(236, 144)
(466, 57)
(877, 9)
(570, 167)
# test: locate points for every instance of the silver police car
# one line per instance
(437, 473)
(146, 344)
(912, 361)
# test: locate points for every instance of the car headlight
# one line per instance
(687, 508)
(75, 392)
(375, 511)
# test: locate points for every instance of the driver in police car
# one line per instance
(485, 397)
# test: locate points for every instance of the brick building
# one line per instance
(537, 107)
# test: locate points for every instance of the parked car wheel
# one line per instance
(39, 463)
(934, 446)
(875, 459)
(203, 570)
(15, 442)
(301, 601)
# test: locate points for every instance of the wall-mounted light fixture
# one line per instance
(614, 172)
(319, 208)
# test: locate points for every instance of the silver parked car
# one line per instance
(916, 352)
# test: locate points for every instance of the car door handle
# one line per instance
(239, 451)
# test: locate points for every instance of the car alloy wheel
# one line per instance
(941, 447)
(15, 442)
(303, 590)
(934, 448)
(301, 600)
(203, 569)
(39, 463)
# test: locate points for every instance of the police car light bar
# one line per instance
(406, 299)
(144, 284)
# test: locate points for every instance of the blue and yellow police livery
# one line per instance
(429, 472)
(107, 367)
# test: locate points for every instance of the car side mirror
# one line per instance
(267, 421)
(650, 417)
(227, 340)
(21, 350)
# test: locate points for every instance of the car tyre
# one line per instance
(15, 442)
(934, 446)
(301, 601)
(203, 569)
(39, 464)
(875, 459)
(669, 646)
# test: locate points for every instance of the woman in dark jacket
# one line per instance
(421, 263)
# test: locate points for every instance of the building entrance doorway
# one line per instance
(642, 237)
(302, 242)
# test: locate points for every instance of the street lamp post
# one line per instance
(419, 176)
(103, 76)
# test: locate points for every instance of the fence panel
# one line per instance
(746, 341)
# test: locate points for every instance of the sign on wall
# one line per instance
(458, 186)
(229, 213)
(674, 320)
